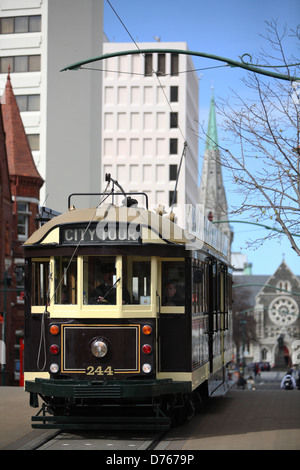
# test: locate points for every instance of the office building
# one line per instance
(150, 111)
(61, 112)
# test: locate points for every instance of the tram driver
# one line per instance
(106, 291)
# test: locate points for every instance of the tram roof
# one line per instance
(162, 226)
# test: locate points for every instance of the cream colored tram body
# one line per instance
(135, 354)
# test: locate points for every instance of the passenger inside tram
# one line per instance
(172, 297)
(173, 283)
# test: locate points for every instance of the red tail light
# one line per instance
(54, 349)
(146, 349)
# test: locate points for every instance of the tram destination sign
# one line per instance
(100, 234)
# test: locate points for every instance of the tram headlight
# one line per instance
(54, 368)
(146, 368)
(99, 348)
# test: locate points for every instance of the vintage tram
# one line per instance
(127, 318)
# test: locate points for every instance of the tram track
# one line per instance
(95, 440)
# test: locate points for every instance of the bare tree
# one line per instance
(263, 150)
(244, 324)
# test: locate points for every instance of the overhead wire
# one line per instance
(142, 74)
(79, 242)
(144, 55)
(185, 147)
(49, 299)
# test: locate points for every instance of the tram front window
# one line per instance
(65, 280)
(99, 280)
(137, 271)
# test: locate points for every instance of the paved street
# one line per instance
(266, 418)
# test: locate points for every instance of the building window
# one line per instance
(172, 172)
(20, 24)
(28, 102)
(161, 64)
(23, 219)
(284, 285)
(148, 65)
(174, 94)
(174, 64)
(18, 64)
(171, 196)
(34, 141)
(173, 120)
(173, 146)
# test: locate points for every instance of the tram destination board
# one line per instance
(100, 233)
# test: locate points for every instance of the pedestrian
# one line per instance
(288, 382)
(251, 383)
(298, 380)
(241, 383)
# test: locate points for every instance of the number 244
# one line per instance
(91, 370)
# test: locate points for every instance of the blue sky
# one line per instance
(227, 28)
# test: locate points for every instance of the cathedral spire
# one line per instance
(212, 196)
(212, 131)
(211, 192)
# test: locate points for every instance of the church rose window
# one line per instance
(283, 311)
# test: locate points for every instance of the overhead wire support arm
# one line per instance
(229, 62)
(253, 223)
(177, 176)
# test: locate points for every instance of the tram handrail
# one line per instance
(108, 194)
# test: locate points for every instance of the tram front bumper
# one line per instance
(109, 390)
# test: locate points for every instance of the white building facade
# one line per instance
(61, 112)
(150, 111)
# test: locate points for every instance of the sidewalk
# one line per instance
(15, 419)
(15, 414)
(272, 376)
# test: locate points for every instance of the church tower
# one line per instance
(25, 180)
(212, 196)
(20, 184)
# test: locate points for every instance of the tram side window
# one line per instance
(198, 285)
(65, 280)
(173, 283)
(222, 278)
(137, 277)
(40, 282)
